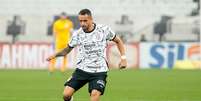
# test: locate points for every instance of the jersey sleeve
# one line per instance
(74, 40)
(110, 34)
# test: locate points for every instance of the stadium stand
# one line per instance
(183, 29)
(143, 14)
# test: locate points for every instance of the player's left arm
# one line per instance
(121, 48)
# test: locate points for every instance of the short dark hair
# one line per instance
(85, 11)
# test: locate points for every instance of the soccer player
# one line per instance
(91, 65)
(62, 29)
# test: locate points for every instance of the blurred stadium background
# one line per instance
(162, 37)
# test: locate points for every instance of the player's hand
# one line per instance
(50, 57)
(123, 64)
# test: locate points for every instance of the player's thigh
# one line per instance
(76, 81)
(60, 46)
(75, 84)
(98, 84)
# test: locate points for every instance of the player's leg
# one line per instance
(95, 95)
(74, 83)
(53, 61)
(68, 93)
(97, 86)
(52, 65)
(63, 67)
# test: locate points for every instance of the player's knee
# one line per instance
(95, 93)
(68, 92)
(67, 98)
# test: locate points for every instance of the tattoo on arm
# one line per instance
(64, 52)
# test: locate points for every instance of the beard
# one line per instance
(85, 28)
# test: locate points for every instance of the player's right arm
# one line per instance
(64, 52)
(73, 43)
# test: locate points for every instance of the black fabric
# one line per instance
(114, 37)
(80, 78)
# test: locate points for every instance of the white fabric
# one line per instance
(92, 48)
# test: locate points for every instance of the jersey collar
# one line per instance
(93, 28)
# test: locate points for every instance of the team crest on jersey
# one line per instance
(98, 37)
(83, 38)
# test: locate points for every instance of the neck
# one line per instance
(91, 27)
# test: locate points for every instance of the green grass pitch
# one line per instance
(122, 85)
